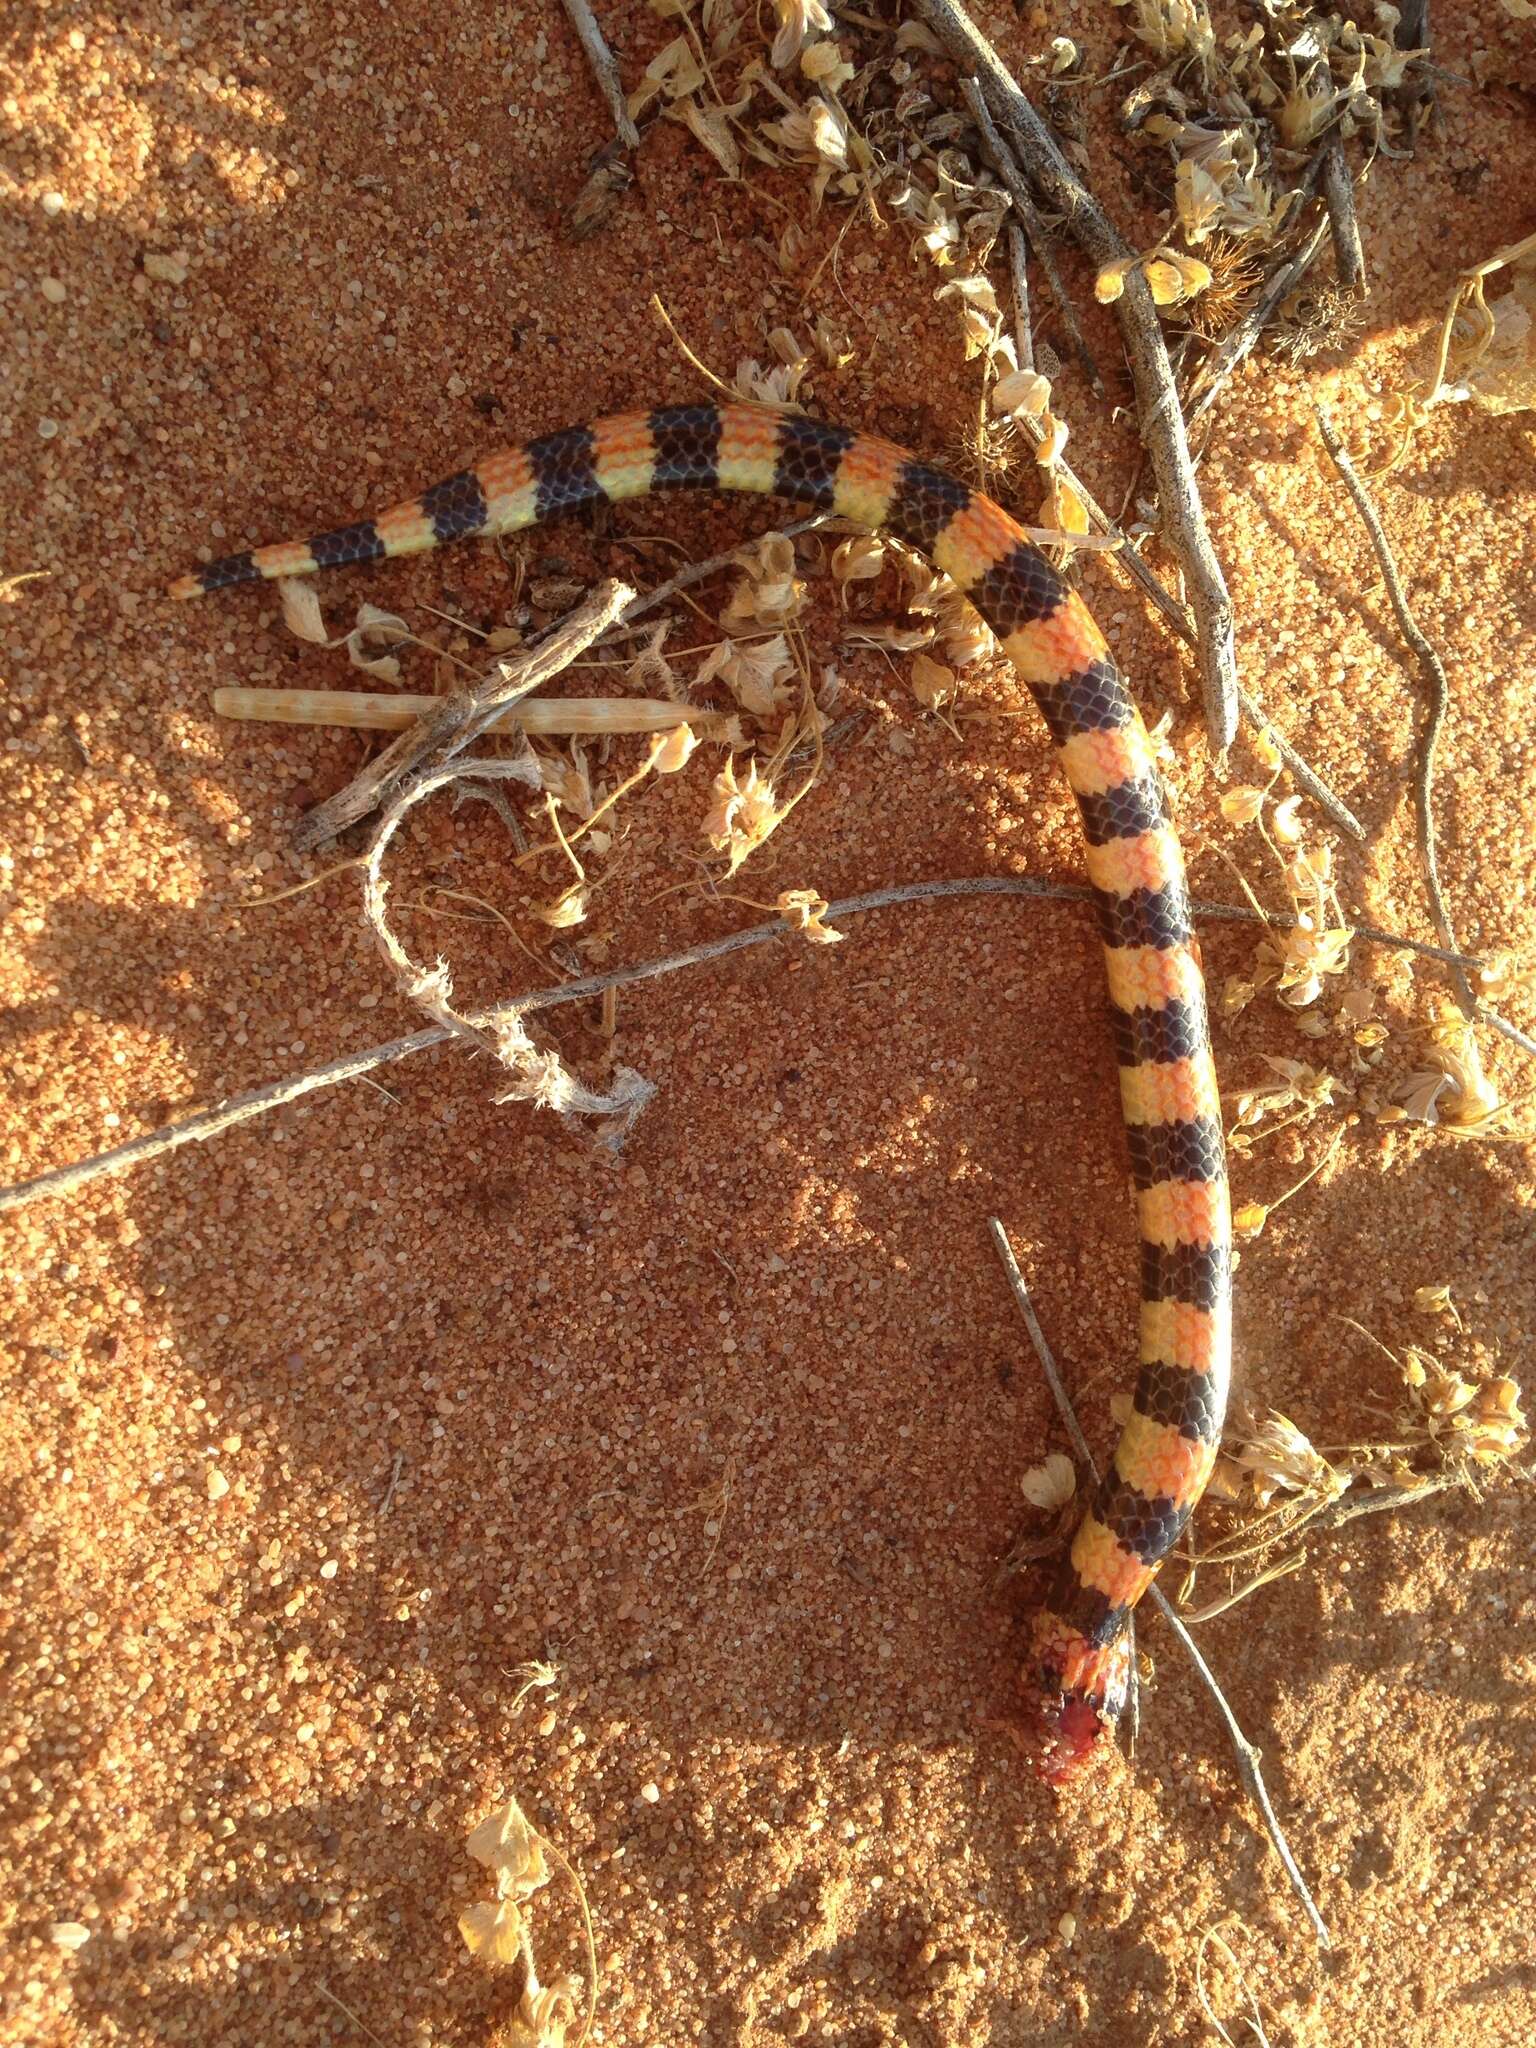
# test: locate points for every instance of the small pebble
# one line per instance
(53, 291)
(47, 429)
(216, 1483)
(650, 1793)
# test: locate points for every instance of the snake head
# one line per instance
(1078, 1691)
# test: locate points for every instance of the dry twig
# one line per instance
(1023, 326)
(604, 69)
(361, 2025)
(1001, 160)
(67, 1180)
(459, 720)
(1339, 197)
(386, 711)
(1248, 1757)
(695, 572)
(1162, 422)
(1433, 671)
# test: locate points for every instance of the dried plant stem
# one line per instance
(1162, 422)
(68, 1180)
(1433, 670)
(1023, 326)
(1343, 224)
(459, 720)
(604, 69)
(381, 711)
(1248, 1757)
(1001, 160)
(361, 2025)
(1346, 1510)
(695, 572)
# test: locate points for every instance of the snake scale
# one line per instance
(1078, 1669)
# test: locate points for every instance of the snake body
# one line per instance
(1079, 1663)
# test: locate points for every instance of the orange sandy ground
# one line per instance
(734, 1428)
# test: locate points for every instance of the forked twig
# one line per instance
(458, 721)
(1433, 670)
(67, 1180)
(1162, 422)
(1248, 1757)
(1001, 160)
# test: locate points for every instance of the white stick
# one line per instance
(381, 711)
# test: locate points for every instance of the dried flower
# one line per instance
(504, 1842)
(1110, 282)
(1024, 394)
(825, 65)
(1280, 1458)
(1242, 806)
(1496, 1424)
(566, 910)
(1286, 824)
(1453, 1093)
(933, 685)
(803, 910)
(756, 672)
(1172, 278)
(859, 559)
(770, 592)
(742, 814)
(671, 74)
(798, 20)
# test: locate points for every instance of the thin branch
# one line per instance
(1248, 1757)
(67, 1180)
(1162, 423)
(386, 711)
(1023, 326)
(458, 721)
(1001, 160)
(1302, 773)
(695, 572)
(604, 69)
(1433, 671)
(1343, 224)
(1507, 1030)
